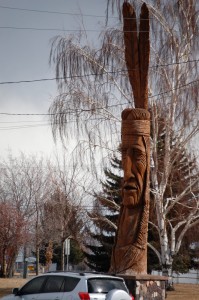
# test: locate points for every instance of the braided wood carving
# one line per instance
(129, 255)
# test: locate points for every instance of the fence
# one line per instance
(191, 277)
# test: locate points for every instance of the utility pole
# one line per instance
(67, 251)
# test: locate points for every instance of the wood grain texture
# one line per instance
(144, 53)
(137, 52)
(131, 49)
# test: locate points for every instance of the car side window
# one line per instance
(70, 283)
(33, 286)
(54, 284)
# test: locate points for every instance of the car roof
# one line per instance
(83, 274)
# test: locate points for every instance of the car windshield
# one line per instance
(104, 285)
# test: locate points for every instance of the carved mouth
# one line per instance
(130, 188)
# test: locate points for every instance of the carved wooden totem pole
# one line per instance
(129, 255)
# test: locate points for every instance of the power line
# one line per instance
(92, 74)
(47, 29)
(65, 30)
(40, 125)
(33, 80)
(176, 63)
(12, 122)
(99, 108)
(53, 12)
(62, 13)
(13, 114)
(56, 29)
(23, 126)
(13, 127)
(174, 89)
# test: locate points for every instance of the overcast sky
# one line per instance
(24, 55)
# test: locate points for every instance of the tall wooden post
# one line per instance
(129, 254)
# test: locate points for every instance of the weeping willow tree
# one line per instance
(93, 82)
(94, 88)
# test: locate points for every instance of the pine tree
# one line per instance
(104, 217)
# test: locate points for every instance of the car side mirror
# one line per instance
(15, 291)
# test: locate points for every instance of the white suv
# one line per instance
(72, 286)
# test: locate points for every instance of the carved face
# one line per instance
(134, 165)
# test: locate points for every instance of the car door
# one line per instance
(31, 289)
(53, 288)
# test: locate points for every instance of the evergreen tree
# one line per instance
(104, 218)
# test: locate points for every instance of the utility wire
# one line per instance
(23, 126)
(62, 13)
(48, 29)
(66, 30)
(99, 108)
(53, 12)
(174, 89)
(94, 74)
(13, 122)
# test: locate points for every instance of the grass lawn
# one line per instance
(182, 291)
(7, 284)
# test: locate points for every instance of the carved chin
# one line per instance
(130, 198)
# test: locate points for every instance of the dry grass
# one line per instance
(182, 291)
(7, 284)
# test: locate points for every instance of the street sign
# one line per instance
(67, 246)
(30, 259)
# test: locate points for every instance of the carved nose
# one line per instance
(128, 169)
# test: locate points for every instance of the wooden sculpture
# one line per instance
(129, 255)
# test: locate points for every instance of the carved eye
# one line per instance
(139, 157)
(137, 153)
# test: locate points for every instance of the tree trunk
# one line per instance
(4, 265)
(62, 256)
(167, 271)
(24, 263)
(37, 260)
(11, 265)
